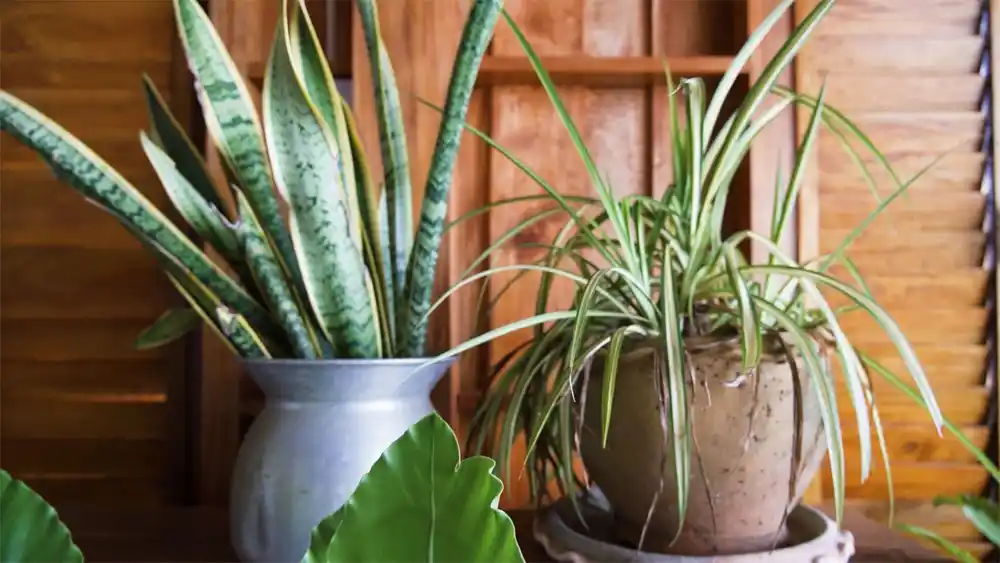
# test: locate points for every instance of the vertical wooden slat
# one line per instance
(922, 242)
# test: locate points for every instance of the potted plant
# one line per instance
(695, 386)
(327, 310)
(436, 506)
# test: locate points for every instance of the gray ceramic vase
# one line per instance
(323, 426)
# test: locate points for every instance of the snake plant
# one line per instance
(660, 269)
(346, 275)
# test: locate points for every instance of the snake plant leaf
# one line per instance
(231, 121)
(205, 219)
(74, 163)
(197, 306)
(310, 63)
(307, 160)
(247, 342)
(395, 159)
(168, 327)
(170, 136)
(476, 36)
(268, 276)
(433, 505)
(374, 236)
(31, 530)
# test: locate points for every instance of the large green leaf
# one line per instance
(420, 502)
(422, 264)
(231, 121)
(91, 176)
(30, 529)
(307, 161)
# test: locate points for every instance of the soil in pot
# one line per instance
(756, 442)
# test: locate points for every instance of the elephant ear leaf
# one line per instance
(31, 529)
(434, 506)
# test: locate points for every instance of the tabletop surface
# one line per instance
(200, 534)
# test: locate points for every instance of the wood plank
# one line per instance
(921, 481)
(886, 240)
(120, 149)
(863, 53)
(24, 221)
(895, 133)
(28, 72)
(78, 110)
(915, 443)
(73, 489)
(99, 458)
(945, 520)
(947, 366)
(956, 211)
(956, 287)
(915, 261)
(81, 283)
(92, 381)
(911, 93)
(926, 18)
(953, 325)
(84, 420)
(598, 72)
(71, 340)
(962, 406)
(82, 31)
(953, 172)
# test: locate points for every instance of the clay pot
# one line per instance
(743, 433)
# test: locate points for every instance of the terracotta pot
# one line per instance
(744, 427)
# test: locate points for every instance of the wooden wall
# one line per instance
(83, 415)
(908, 72)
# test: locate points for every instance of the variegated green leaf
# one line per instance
(269, 278)
(231, 121)
(83, 170)
(168, 327)
(307, 162)
(309, 62)
(395, 159)
(170, 136)
(241, 334)
(206, 220)
(476, 36)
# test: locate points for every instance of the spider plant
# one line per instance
(982, 513)
(662, 270)
(345, 276)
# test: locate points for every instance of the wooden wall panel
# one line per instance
(612, 123)
(83, 416)
(906, 72)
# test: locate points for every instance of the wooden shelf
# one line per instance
(607, 72)
(604, 72)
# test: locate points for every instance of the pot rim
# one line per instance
(349, 362)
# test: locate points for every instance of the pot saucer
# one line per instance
(558, 528)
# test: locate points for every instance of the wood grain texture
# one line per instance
(612, 122)
(885, 63)
(84, 416)
(927, 18)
